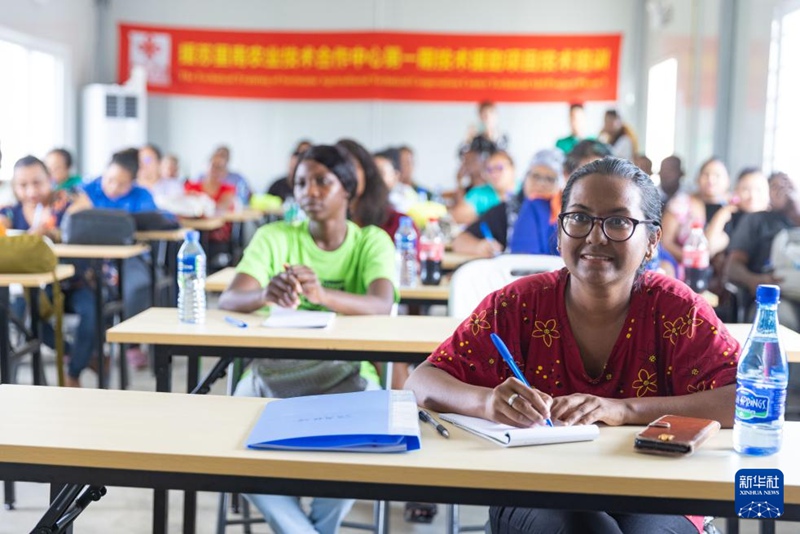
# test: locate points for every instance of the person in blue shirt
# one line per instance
(116, 189)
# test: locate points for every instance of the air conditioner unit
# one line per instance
(114, 118)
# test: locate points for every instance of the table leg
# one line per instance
(5, 372)
(123, 361)
(36, 328)
(190, 497)
(160, 508)
(5, 336)
(100, 325)
(163, 368)
(153, 270)
(192, 373)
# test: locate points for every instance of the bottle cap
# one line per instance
(697, 224)
(768, 294)
(405, 221)
(193, 236)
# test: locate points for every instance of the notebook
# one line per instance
(365, 421)
(510, 436)
(289, 318)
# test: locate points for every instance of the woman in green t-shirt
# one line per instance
(324, 262)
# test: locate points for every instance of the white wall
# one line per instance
(749, 98)
(67, 24)
(692, 37)
(262, 132)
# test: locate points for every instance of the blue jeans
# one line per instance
(81, 302)
(285, 515)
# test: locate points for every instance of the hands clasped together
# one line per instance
(513, 403)
(285, 288)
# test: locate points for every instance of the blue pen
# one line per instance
(487, 234)
(235, 322)
(503, 350)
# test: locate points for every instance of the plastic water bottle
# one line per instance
(405, 244)
(696, 259)
(761, 381)
(431, 250)
(192, 280)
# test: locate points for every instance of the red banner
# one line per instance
(373, 65)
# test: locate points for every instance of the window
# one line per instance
(783, 106)
(662, 94)
(32, 100)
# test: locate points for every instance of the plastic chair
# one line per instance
(469, 285)
(474, 280)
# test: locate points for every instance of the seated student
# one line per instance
(370, 204)
(281, 187)
(116, 189)
(480, 199)
(59, 164)
(149, 167)
(219, 165)
(213, 184)
(526, 223)
(749, 263)
(325, 262)
(169, 186)
(407, 171)
(39, 210)
(402, 196)
(618, 345)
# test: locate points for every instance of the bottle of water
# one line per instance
(405, 243)
(761, 381)
(431, 250)
(192, 280)
(696, 259)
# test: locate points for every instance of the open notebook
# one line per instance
(510, 436)
(289, 318)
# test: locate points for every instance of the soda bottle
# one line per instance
(761, 381)
(431, 250)
(696, 259)
(405, 244)
(192, 280)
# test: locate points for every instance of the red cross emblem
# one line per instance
(149, 47)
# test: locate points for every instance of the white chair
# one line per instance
(469, 285)
(474, 280)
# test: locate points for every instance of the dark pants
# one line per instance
(80, 302)
(509, 520)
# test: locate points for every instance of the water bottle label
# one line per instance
(188, 265)
(756, 405)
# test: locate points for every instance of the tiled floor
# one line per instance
(128, 511)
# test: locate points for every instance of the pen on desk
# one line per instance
(425, 417)
(504, 352)
(487, 233)
(235, 322)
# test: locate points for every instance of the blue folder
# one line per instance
(365, 421)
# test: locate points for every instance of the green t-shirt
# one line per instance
(483, 198)
(366, 255)
(73, 182)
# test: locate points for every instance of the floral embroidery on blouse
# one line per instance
(646, 383)
(672, 329)
(691, 388)
(478, 322)
(692, 322)
(547, 331)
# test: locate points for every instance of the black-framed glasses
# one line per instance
(616, 227)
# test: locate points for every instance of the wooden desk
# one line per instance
(420, 294)
(100, 252)
(246, 215)
(97, 254)
(179, 452)
(179, 234)
(202, 225)
(220, 280)
(453, 260)
(37, 279)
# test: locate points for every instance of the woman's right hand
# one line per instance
(283, 290)
(528, 408)
(489, 248)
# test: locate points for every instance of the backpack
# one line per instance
(24, 254)
(98, 227)
(785, 258)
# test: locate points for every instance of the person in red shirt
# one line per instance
(221, 192)
(599, 341)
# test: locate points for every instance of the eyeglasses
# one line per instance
(544, 178)
(495, 168)
(616, 228)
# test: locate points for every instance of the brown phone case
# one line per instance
(675, 435)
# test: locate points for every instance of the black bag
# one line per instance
(98, 227)
(147, 221)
